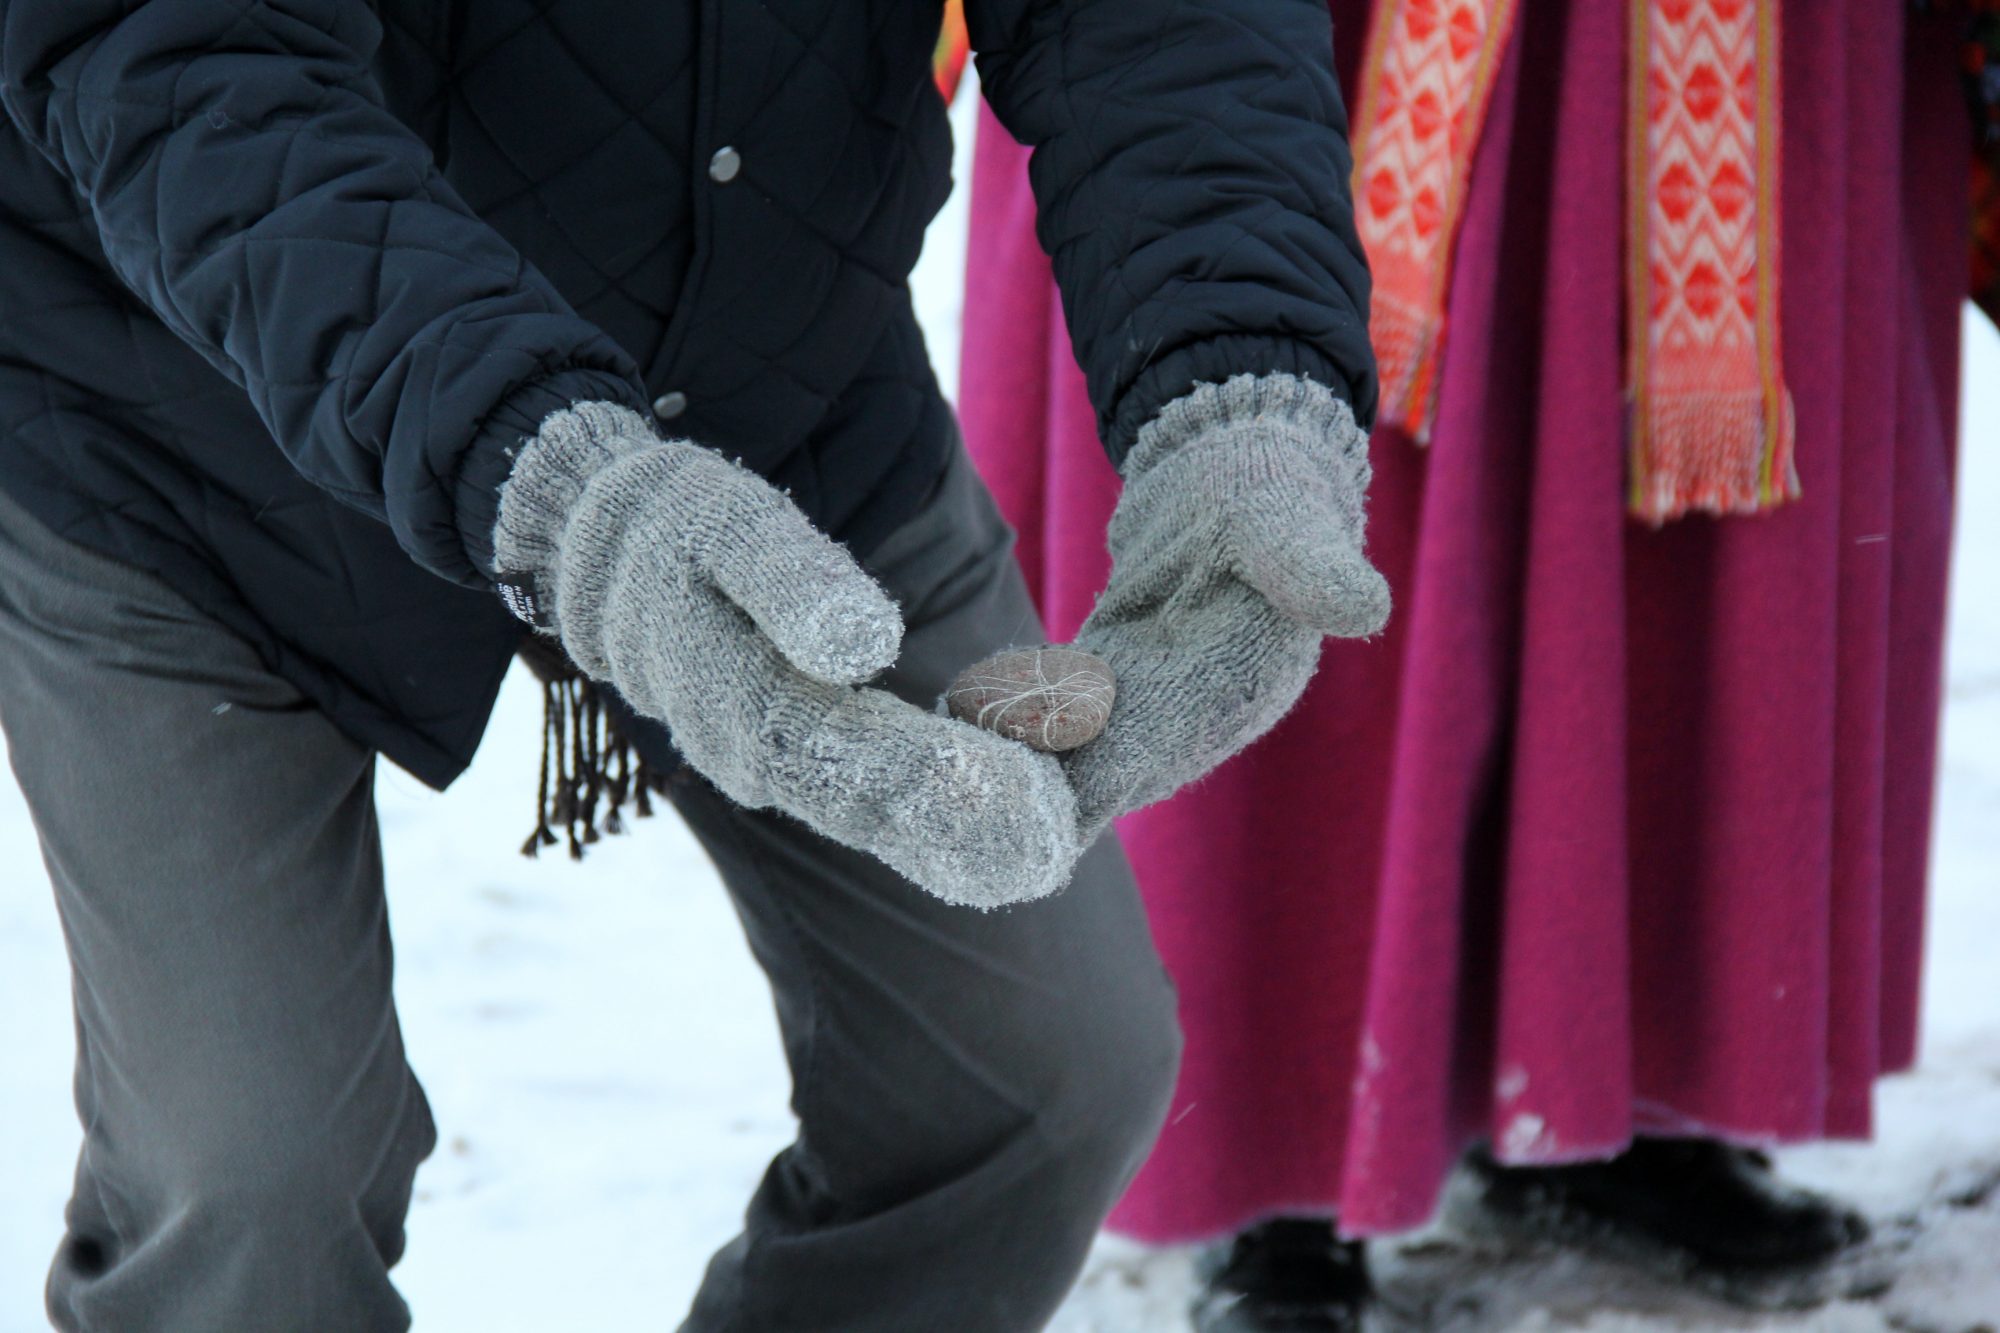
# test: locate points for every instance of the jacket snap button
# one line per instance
(670, 405)
(722, 168)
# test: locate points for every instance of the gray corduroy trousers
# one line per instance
(974, 1090)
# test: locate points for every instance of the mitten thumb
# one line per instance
(1300, 549)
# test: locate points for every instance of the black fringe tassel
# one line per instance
(588, 764)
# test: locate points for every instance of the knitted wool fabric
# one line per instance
(711, 603)
(596, 476)
(1236, 547)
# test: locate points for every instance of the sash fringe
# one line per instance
(589, 766)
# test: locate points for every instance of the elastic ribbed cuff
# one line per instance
(549, 476)
(502, 436)
(1217, 360)
(1319, 421)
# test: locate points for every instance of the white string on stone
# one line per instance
(1051, 699)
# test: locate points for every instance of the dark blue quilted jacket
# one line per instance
(257, 256)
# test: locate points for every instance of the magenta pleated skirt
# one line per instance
(1615, 830)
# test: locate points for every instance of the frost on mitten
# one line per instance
(713, 605)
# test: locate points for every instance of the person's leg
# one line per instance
(974, 1090)
(251, 1129)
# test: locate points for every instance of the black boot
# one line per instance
(1290, 1275)
(1702, 1207)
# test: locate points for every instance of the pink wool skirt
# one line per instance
(1616, 830)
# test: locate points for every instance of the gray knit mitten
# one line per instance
(711, 603)
(1236, 548)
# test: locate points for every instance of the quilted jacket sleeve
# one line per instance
(1191, 171)
(248, 183)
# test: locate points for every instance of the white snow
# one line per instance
(601, 1055)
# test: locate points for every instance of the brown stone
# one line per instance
(1052, 699)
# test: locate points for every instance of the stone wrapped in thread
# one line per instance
(1051, 699)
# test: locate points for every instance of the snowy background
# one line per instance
(586, 1169)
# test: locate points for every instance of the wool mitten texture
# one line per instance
(711, 603)
(1236, 548)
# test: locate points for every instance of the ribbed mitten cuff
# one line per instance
(1300, 412)
(549, 477)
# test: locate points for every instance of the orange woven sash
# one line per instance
(1711, 422)
(948, 62)
(1430, 70)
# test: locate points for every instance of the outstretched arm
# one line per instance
(248, 182)
(1190, 169)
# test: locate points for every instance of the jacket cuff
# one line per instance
(505, 435)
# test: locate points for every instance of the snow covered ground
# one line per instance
(600, 1053)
